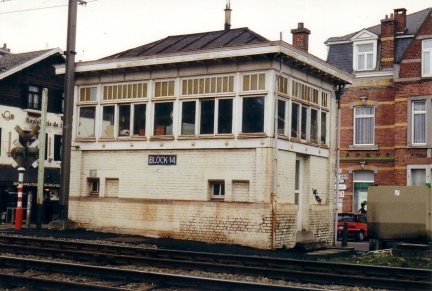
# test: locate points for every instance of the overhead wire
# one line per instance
(40, 8)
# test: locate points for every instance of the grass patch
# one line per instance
(386, 258)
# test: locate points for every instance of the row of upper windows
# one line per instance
(209, 116)
(365, 56)
(203, 86)
(419, 123)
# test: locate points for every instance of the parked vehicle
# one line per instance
(357, 225)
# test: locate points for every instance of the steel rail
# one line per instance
(284, 269)
(126, 276)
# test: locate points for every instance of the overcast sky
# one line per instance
(105, 27)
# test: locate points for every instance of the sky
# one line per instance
(105, 27)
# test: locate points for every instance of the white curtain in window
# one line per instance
(364, 125)
(418, 177)
(419, 122)
(427, 56)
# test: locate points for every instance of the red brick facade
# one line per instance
(392, 156)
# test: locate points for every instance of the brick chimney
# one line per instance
(400, 19)
(387, 42)
(4, 50)
(301, 37)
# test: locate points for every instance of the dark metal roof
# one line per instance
(341, 55)
(193, 42)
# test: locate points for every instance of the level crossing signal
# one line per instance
(25, 156)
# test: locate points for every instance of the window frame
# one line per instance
(426, 63)
(31, 94)
(221, 189)
(357, 54)
(428, 121)
(356, 116)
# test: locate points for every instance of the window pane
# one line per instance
(86, 127)
(364, 125)
(207, 117)
(188, 117)
(57, 147)
(225, 116)
(281, 117)
(124, 120)
(163, 118)
(324, 127)
(108, 121)
(419, 125)
(304, 113)
(418, 177)
(139, 119)
(294, 120)
(314, 126)
(253, 115)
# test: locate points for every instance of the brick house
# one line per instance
(22, 79)
(386, 113)
(176, 138)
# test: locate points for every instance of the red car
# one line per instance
(357, 225)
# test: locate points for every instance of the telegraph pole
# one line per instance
(68, 108)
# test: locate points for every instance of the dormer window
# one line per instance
(365, 54)
(364, 51)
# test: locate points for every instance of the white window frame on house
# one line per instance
(258, 116)
(364, 134)
(360, 58)
(427, 58)
(195, 127)
(84, 125)
(217, 189)
(413, 172)
(34, 97)
(415, 114)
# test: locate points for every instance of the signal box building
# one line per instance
(386, 132)
(23, 76)
(176, 138)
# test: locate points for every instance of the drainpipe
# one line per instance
(275, 156)
(339, 92)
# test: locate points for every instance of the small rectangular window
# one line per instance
(93, 186)
(303, 125)
(225, 116)
(87, 94)
(323, 127)
(217, 189)
(164, 88)
(253, 82)
(34, 97)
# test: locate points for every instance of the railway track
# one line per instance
(274, 268)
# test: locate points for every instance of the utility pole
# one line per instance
(68, 108)
(41, 169)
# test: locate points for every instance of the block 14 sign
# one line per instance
(164, 160)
